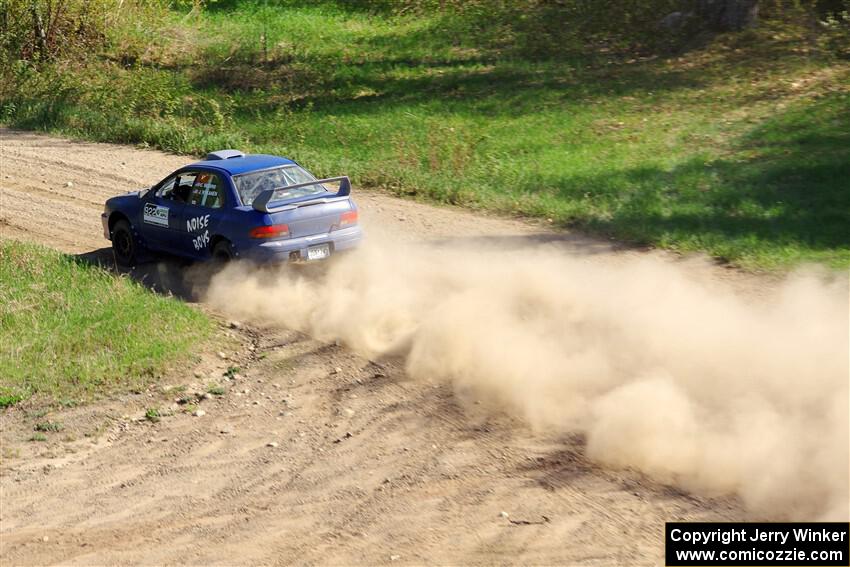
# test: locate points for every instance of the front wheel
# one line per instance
(124, 243)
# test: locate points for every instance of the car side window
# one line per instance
(207, 191)
(184, 186)
(177, 188)
(166, 190)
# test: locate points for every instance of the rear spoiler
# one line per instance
(261, 202)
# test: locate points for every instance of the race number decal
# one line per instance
(156, 214)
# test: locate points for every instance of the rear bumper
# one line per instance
(296, 248)
(104, 220)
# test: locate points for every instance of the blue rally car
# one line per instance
(231, 205)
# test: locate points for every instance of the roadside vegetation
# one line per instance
(590, 114)
(71, 331)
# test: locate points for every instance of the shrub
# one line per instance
(43, 29)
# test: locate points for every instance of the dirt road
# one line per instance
(314, 455)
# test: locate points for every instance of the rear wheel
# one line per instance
(222, 252)
(123, 243)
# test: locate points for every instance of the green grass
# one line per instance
(9, 400)
(738, 147)
(70, 330)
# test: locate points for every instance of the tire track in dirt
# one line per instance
(88, 181)
(58, 195)
(54, 220)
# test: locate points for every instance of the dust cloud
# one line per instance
(663, 369)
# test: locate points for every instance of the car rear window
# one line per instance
(249, 185)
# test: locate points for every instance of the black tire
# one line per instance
(124, 243)
(222, 252)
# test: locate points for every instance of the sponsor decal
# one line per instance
(156, 214)
(197, 223)
(202, 241)
(205, 190)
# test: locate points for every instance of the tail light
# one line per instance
(348, 219)
(273, 231)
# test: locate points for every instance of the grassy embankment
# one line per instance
(70, 331)
(739, 147)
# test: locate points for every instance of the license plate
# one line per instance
(318, 252)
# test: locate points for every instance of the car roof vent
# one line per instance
(224, 154)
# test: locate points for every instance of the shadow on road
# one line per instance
(162, 274)
(179, 277)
